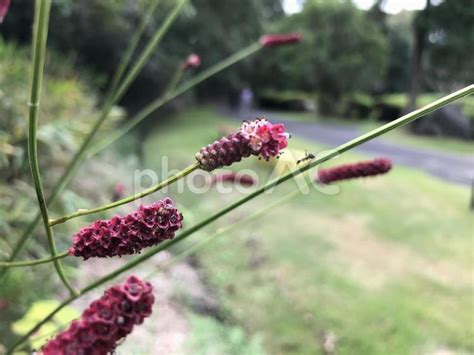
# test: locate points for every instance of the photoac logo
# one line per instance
(227, 181)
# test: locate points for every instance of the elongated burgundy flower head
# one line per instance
(351, 171)
(4, 5)
(280, 39)
(147, 226)
(242, 179)
(258, 137)
(105, 321)
(192, 62)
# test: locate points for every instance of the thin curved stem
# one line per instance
(39, 50)
(178, 75)
(329, 155)
(160, 101)
(149, 191)
(133, 44)
(81, 153)
(33, 262)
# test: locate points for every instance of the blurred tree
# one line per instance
(443, 40)
(96, 32)
(397, 77)
(397, 30)
(219, 28)
(450, 45)
(343, 50)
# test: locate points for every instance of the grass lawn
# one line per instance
(402, 136)
(384, 266)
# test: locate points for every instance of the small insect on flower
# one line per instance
(148, 226)
(4, 5)
(352, 171)
(258, 137)
(106, 321)
(192, 62)
(274, 40)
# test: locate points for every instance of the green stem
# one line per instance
(178, 75)
(81, 153)
(33, 262)
(160, 101)
(39, 51)
(133, 44)
(339, 150)
(123, 201)
(149, 50)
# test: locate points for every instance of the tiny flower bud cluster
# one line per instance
(192, 62)
(265, 139)
(147, 226)
(351, 171)
(258, 137)
(280, 39)
(106, 321)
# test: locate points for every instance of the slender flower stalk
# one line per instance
(33, 262)
(192, 62)
(163, 99)
(352, 171)
(148, 226)
(83, 150)
(4, 5)
(106, 321)
(178, 75)
(39, 49)
(134, 41)
(149, 191)
(410, 117)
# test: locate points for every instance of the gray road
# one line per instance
(457, 168)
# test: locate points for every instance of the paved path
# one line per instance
(458, 168)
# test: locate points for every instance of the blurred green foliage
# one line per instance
(36, 313)
(345, 49)
(66, 114)
(448, 60)
(209, 336)
(96, 33)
